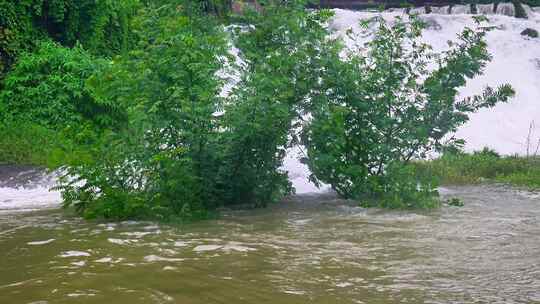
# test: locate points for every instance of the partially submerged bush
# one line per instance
(180, 155)
(387, 108)
(396, 189)
(455, 202)
(285, 51)
(182, 148)
(163, 163)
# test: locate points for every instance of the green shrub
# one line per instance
(180, 156)
(26, 143)
(164, 161)
(48, 87)
(49, 114)
(456, 202)
(285, 52)
(383, 107)
(102, 26)
(17, 32)
(400, 188)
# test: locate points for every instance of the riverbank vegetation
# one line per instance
(459, 168)
(186, 112)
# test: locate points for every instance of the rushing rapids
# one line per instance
(313, 249)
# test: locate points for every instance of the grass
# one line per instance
(481, 167)
(24, 143)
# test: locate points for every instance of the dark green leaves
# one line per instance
(48, 87)
(382, 107)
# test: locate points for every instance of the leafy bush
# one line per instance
(26, 143)
(283, 51)
(186, 149)
(101, 26)
(47, 87)
(163, 163)
(17, 32)
(388, 108)
(397, 190)
(49, 115)
(455, 202)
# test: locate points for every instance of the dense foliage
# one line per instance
(167, 112)
(47, 110)
(162, 163)
(101, 26)
(188, 148)
(48, 87)
(383, 107)
(283, 50)
(27, 143)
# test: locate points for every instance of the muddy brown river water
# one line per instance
(309, 249)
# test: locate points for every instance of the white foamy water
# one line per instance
(19, 194)
(299, 172)
(27, 199)
(37, 243)
(74, 253)
(202, 248)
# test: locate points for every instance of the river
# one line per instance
(311, 248)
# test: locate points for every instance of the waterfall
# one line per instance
(26, 189)
(506, 9)
(485, 9)
(461, 9)
(442, 10)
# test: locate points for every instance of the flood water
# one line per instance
(308, 249)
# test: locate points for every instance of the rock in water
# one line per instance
(530, 33)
